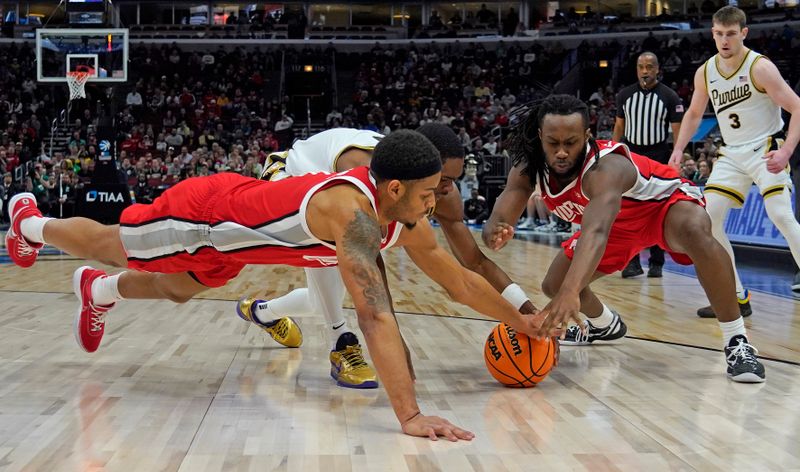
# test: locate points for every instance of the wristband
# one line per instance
(515, 296)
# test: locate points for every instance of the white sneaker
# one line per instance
(526, 224)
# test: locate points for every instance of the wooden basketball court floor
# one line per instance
(193, 388)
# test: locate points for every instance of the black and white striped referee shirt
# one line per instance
(648, 113)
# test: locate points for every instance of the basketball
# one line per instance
(516, 360)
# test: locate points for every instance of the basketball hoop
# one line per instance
(77, 83)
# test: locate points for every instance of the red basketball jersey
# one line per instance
(655, 183)
(229, 219)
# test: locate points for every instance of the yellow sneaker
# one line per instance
(284, 330)
(349, 369)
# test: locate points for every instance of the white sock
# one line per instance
(605, 318)
(294, 303)
(263, 314)
(731, 329)
(32, 228)
(105, 290)
(326, 292)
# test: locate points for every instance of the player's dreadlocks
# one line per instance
(523, 143)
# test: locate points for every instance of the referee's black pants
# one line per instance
(659, 153)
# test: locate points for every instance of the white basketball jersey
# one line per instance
(320, 152)
(745, 113)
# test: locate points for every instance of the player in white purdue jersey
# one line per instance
(747, 93)
(338, 150)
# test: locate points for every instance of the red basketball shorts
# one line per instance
(637, 227)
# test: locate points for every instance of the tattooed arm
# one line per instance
(382, 268)
(357, 234)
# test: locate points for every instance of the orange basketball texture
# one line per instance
(516, 360)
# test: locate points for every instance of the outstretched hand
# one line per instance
(498, 236)
(558, 313)
(432, 427)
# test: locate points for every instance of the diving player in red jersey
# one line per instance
(624, 203)
(202, 231)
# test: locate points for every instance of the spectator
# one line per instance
(127, 170)
(174, 139)
(69, 192)
(333, 115)
(598, 98)
(508, 100)
(435, 21)
(491, 146)
(511, 21)
(475, 208)
(7, 191)
(704, 171)
(143, 192)
(465, 139)
(283, 131)
(134, 99)
(689, 170)
(674, 42)
(484, 15)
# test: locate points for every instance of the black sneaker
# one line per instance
(563, 227)
(654, 271)
(633, 269)
(743, 364)
(346, 339)
(575, 337)
(744, 308)
(796, 284)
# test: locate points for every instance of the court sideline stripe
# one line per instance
(637, 338)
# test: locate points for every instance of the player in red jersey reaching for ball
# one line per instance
(203, 231)
(624, 203)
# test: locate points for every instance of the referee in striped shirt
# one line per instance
(645, 112)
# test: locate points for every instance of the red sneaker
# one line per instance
(90, 320)
(20, 250)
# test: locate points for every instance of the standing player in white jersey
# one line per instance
(338, 150)
(747, 93)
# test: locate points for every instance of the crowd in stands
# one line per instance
(465, 86)
(483, 18)
(191, 113)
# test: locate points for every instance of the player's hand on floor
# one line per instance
(433, 426)
(558, 313)
(497, 236)
(777, 160)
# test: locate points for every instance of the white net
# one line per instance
(77, 84)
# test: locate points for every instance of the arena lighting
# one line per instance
(603, 63)
(308, 68)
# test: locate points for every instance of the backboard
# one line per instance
(59, 51)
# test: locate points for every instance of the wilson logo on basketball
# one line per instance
(512, 338)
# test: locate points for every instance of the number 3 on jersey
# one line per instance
(735, 124)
